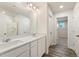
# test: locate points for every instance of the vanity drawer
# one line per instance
(24, 54)
(34, 43)
(16, 52)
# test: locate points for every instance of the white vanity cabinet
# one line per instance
(22, 51)
(34, 49)
(41, 46)
(38, 47)
(26, 53)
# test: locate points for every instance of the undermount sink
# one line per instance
(11, 43)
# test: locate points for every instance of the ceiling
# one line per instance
(55, 6)
(24, 9)
(16, 8)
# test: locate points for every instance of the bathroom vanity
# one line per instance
(26, 46)
(17, 21)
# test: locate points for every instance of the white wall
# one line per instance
(34, 22)
(50, 26)
(42, 21)
(70, 25)
(45, 24)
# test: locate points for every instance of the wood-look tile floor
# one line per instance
(60, 50)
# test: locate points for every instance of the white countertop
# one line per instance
(22, 40)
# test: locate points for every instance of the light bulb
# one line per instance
(30, 4)
(34, 7)
(61, 6)
(37, 9)
(3, 12)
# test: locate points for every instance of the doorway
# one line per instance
(62, 31)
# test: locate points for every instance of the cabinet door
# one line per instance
(34, 49)
(16, 52)
(25, 54)
(41, 46)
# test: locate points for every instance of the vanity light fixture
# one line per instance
(34, 7)
(61, 6)
(37, 9)
(30, 4)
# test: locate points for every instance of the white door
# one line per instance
(76, 32)
(76, 25)
(50, 30)
(62, 29)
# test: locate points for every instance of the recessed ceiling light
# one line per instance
(61, 6)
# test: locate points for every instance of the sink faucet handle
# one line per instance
(5, 33)
(7, 40)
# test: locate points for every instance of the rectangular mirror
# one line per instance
(15, 21)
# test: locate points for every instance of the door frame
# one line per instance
(67, 28)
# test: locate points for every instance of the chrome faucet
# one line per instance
(5, 39)
(34, 34)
